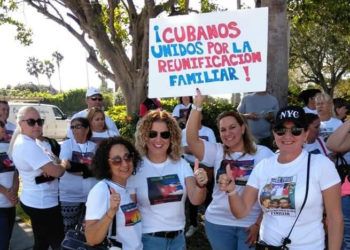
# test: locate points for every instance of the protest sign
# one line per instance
(218, 52)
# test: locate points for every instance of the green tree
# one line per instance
(58, 57)
(34, 67)
(320, 41)
(48, 70)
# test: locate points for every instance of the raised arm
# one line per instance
(339, 140)
(195, 144)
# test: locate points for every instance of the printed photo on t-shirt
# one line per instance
(6, 165)
(183, 113)
(278, 197)
(164, 189)
(325, 133)
(83, 158)
(241, 170)
(204, 137)
(7, 137)
(131, 213)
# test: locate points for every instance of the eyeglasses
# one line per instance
(94, 98)
(2, 124)
(295, 131)
(78, 126)
(117, 160)
(154, 134)
(31, 122)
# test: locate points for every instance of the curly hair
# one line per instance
(92, 112)
(100, 164)
(248, 138)
(85, 123)
(144, 127)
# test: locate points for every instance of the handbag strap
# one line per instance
(322, 146)
(286, 240)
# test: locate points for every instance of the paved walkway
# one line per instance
(22, 237)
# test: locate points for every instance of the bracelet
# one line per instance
(196, 107)
(231, 193)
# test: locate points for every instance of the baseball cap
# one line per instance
(294, 114)
(92, 91)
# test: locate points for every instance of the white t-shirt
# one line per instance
(7, 170)
(28, 158)
(74, 188)
(9, 129)
(318, 147)
(129, 228)
(204, 133)
(286, 184)
(109, 122)
(97, 137)
(218, 212)
(308, 110)
(181, 110)
(329, 126)
(161, 194)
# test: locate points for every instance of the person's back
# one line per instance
(259, 109)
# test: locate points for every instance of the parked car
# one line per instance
(56, 121)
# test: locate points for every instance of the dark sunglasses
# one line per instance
(2, 124)
(100, 99)
(78, 126)
(295, 131)
(154, 134)
(117, 160)
(31, 122)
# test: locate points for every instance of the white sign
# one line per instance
(219, 53)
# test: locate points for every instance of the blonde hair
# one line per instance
(144, 127)
(324, 97)
(92, 112)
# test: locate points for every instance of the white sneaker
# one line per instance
(191, 230)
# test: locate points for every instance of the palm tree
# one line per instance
(34, 67)
(58, 57)
(48, 70)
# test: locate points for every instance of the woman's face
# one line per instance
(98, 122)
(312, 104)
(231, 133)
(341, 112)
(324, 108)
(120, 163)
(185, 100)
(158, 145)
(314, 130)
(289, 143)
(32, 131)
(80, 133)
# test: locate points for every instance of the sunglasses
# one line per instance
(117, 160)
(295, 131)
(31, 122)
(154, 134)
(78, 126)
(100, 99)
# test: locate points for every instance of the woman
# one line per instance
(284, 177)
(39, 175)
(76, 183)
(308, 97)
(100, 131)
(238, 149)
(314, 143)
(163, 181)
(110, 201)
(339, 142)
(181, 110)
(8, 191)
(324, 107)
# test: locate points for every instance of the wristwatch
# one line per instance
(196, 108)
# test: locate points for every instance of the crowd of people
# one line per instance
(269, 182)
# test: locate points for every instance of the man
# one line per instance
(259, 109)
(94, 99)
(4, 115)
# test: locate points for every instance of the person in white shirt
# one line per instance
(314, 143)
(98, 126)
(308, 97)
(163, 182)
(9, 126)
(78, 180)
(8, 191)
(39, 176)
(111, 210)
(181, 110)
(239, 151)
(94, 98)
(284, 177)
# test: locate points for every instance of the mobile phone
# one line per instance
(42, 179)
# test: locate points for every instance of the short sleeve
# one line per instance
(97, 202)
(210, 151)
(328, 175)
(66, 150)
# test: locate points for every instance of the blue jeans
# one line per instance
(346, 214)
(226, 237)
(158, 243)
(7, 220)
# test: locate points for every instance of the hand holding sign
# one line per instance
(200, 175)
(198, 99)
(227, 181)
